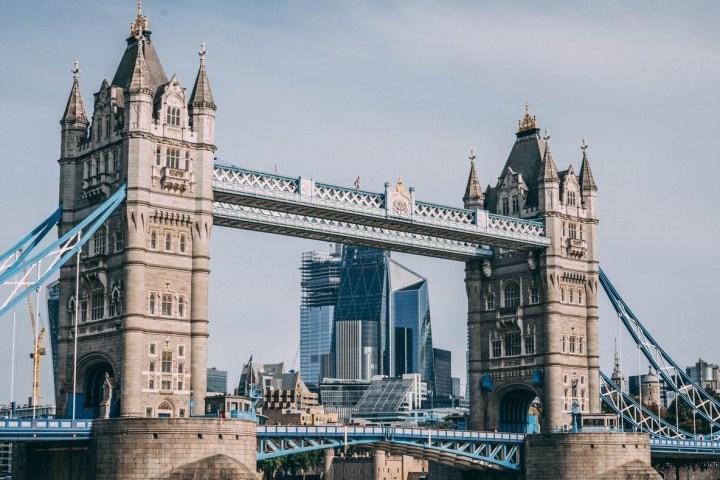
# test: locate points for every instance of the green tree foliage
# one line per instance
(685, 419)
(293, 464)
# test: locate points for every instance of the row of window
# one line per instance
(172, 158)
(572, 230)
(511, 296)
(167, 304)
(512, 344)
(571, 295)
(101, 132)
(172, 116)
(166, 383)
(92, 304)
(168, 244)
(152, 351)
(573, 344)
(100, 242)
(163, 410)
(108, 162)
(505, 205)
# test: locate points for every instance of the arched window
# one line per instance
(571, 198)
(153, 240)
(173, 116)
(167, 304)
(515, 204)
(172, 158)
(187, 160)
(490, 302)
(511, 295)
(168, 242)
(505, 206)
(534, 295)
(572, 230)
(152, 304)
(182, 243)
(181, 306)
(158, 155)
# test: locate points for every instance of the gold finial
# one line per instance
(76, 69)
(140, 24)
(528, 122)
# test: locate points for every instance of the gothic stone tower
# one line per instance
(532, 316)
(143, 297)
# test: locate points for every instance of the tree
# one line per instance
(685, 418)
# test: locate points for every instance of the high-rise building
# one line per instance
(363, 314)
(216, 380)
(320, 278)
(705, 374)
(443, 372)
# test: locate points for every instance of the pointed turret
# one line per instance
(202, 94)
(75, 109)
(473, 197)
(587, 182)
(202, 106)
(548, 172)
(139, 81)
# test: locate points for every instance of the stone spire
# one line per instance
(139, 81)
(202, 94)
(473, 197)
(75, 109)
(587, 182)
(548, 172)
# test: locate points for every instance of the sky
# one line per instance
(336, 90)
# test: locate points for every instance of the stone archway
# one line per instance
(98, 390)
(518, 410)
(165, 409)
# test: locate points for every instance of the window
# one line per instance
(512, 343)
(168, 242)
(166, 384)
(107, 126)
(497, 348)
(572, 230)
(515, 204)
(172, 158)
(187, 160)
(148, 412)
(166, 362)
(119, 239)
(572, 292)
(158, 155)
(580, 297)
(581, 344)
(562, 294)
(181, 352)
(181, 411)
(153, 240)
(490, 301)
(564, 343)
(153, 349)
(151, 367)
(530, 345)
(182, 243)
(173, 116)
(181, 368)
(534, 295)
(98, 304)
(180, 385)
(511, 295)
(116, 162)
(167, 304)
(106, 162)
(565, 381)
(572, 342)
(505, 206)
(582, 382)
(151, 383)
(83, 307)
(99, 241)
(181, 307)
(152, 304)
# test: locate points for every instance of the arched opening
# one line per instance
(100, 395)
(165, 409)
(519, 412)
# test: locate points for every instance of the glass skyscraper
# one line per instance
(320, 277)
(377, 324)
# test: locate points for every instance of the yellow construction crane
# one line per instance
(38, 352)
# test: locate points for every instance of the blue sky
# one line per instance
(336, 90)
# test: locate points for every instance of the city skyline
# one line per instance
(401, 91)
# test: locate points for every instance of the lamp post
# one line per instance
(192, 402)
(575, 414)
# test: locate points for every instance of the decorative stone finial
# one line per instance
(584, 147)
(472, 156)
(547, 137)
(76, 69)
(528, 122)
(203, 53)
(140, 24)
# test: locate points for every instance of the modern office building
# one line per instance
(443, 373)
(391, 400)
(382, 318)
(705, 374)
(216, 380)
(320, 279)
(340, 396)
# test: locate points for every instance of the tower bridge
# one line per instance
(140, 191)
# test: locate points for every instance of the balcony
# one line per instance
(98, 187)
(576, 247)
(174, 179)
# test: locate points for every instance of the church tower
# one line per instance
(532, 315)
(142, 301)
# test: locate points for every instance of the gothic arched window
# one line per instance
(511, 295)
(505, 206)
(515, 204)
(173, 116)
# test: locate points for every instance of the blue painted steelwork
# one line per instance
(685, 447)
(60, 251)
(35, 237)
(14, 430)
(675, 377)
(487, 449)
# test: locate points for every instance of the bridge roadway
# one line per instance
(392, 220)
(458, 448)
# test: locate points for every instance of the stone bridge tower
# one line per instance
(142, 304)
(532, 316)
